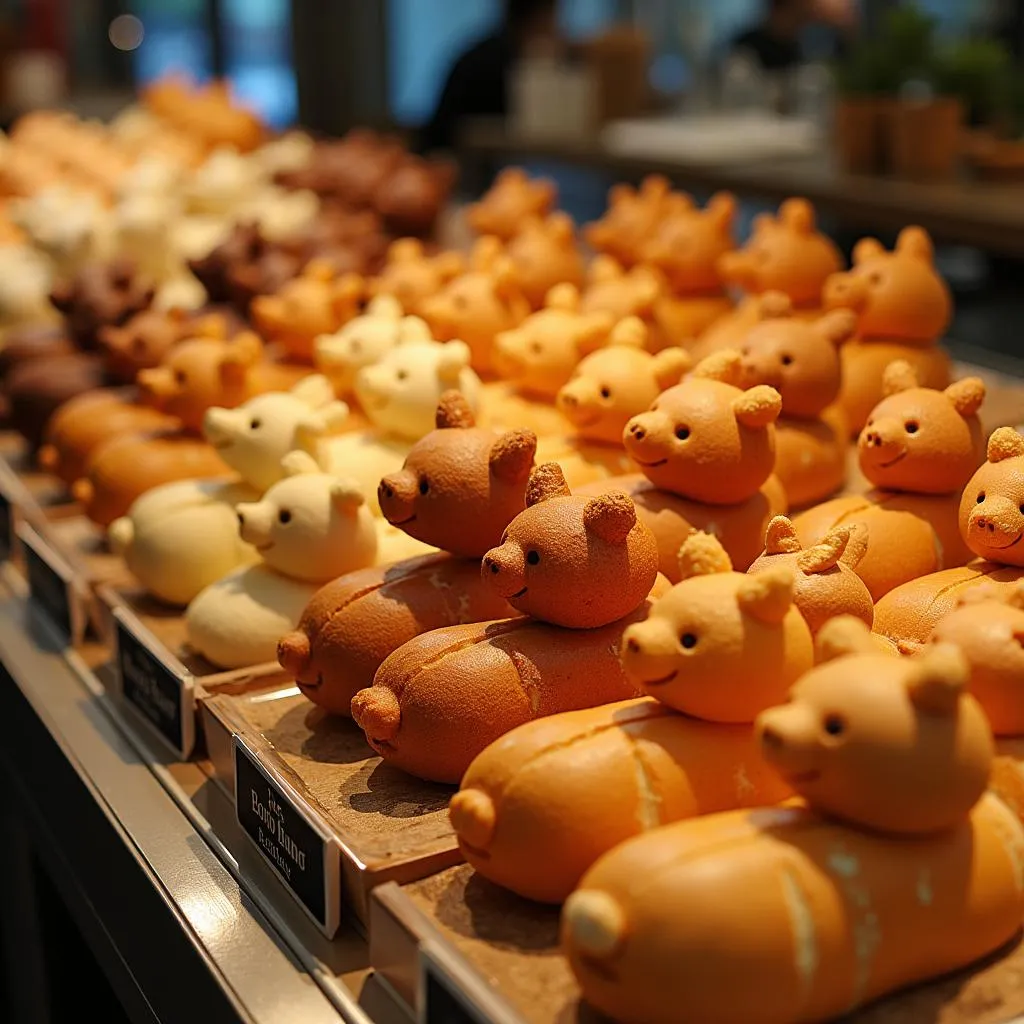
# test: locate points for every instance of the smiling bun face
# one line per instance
(992, 507)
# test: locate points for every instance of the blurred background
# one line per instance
(881, 112)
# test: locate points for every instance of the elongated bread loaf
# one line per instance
(542, 803)
(353, 623)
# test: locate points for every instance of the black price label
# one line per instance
(304, 857)
(161, 693)
(6, 527)
(49, 585)
(442, 1001)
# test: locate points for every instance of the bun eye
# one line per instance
(688, 641)
(424, 485)
(682, 433)
(536, 348)
(532, 557)
(786, 360)
(834, 725)
(401, 374)
(606, 392)
(255, 423)
(284, 517)
(911, 426)
(181, 377)
(981, 497)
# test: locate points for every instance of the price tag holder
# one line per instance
(442, 1000)
(161, 690)
(302, 854)
(51, 587)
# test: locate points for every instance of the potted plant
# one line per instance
(865, 87)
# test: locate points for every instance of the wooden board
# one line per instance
(390, 825)
(504, 951)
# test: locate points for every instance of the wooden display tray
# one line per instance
(497, 955)
(387, 825)
(157, 675)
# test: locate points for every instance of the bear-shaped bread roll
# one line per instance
(308, 528)
(545, 253)
(785, 253)
(98, 295)
(512, 198)
(365, 340)
(988, 627)
(799, 357)
(154, 538)
(399, 394)
(991, 520)
(539, 355)
(631, 219)
(479, 304)
(144, 340)
(903, 307)
(542, 803)
(613, 290)
(899, 868)
(826, 583)
(316, 302)
(918, 448)
(706, 449)
(206, 371)
(439, 699)
(461, 485)
(411, 276)
(686, 246)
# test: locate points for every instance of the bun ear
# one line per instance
(774, 306)
(405, 250)
(506, 278)
(413, 328)
(346, 497)
(702, 554)
(1005, 443)
(936, 678)
(453, 359)
(630, 332)
(669, 366)
(594, 330)
(299, 462)
(546, 481)
(898, 376)
(486, 250)
(726, 366)
(319, 270)
(561, 227)
(767, 596)
(722, 208)
(320, 423)
(826, 555)
(916, 242)
(314, 391)
(384, 306)
(966, 395)
(454, 412)
(511, 457)
(838, 326)
(842, 636)
(563, 296)
(797, 214)
(604, 268)
(780, 538)
(610, 517)
(757, 408)
(856, 545)
(242, 352)
(867, 249)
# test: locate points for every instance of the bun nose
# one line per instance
(377, 713)
(293, 653)
(593, 923)
(472, 816)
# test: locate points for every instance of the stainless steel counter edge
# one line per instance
(166, 918)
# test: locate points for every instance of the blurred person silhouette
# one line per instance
(775, 42)
(477, 84)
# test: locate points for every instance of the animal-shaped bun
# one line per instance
(479, 304)
(630, 220)
(143, 341)
(610, 386)
(988, 627)
(539, 355)
(365, 340)
(314, 303)
(573, 561)
(613, 290)
(992, 507)
(461, 485)
(826, 584)
(99, 295)
(893, 758)
(786, 253)
(411, 276)
(921, 439)
(685, 652)
(544, 253)
(897, 295)
(706, 439)
(512, 199)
